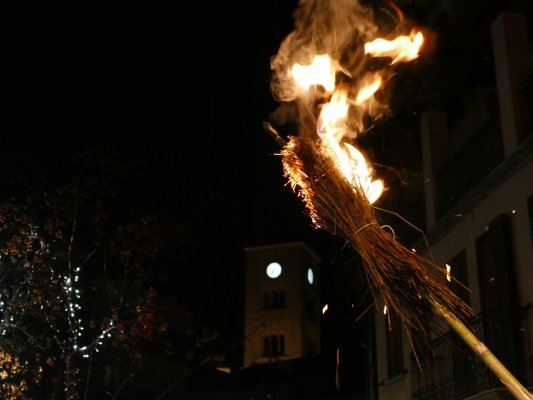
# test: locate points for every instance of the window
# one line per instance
(525, 100)
(394, 338)
(274, 299)
(273, 346)
(530, 212)
(495, 259)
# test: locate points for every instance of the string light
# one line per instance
(69, 299)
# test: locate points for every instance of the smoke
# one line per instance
(338, 28)
(321, 27)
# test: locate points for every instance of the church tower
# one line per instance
(281, 314)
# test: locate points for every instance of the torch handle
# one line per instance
(490, 360)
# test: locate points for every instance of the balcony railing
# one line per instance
(452, 371)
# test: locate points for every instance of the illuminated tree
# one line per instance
(79, 251)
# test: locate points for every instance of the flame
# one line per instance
(368, 91)
(332, 120)
(402, 48)
(319, 72)
(349, 97)
(332, 128)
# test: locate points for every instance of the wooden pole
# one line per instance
(490, 360)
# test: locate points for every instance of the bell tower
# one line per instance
(281, 305)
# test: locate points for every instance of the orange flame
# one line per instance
(332, 122)
(350, 161)
(402, 48)
(368, 91)
(351, 95)
(319, 72)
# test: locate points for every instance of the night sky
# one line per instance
(186, 87)
(180, 94)
(183, 91)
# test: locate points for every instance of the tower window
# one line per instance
(273, 346)
(274, 299)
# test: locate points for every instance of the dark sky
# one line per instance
(186, 88)
(183, 89)
(185, 85)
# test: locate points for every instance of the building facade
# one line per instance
(478, 187)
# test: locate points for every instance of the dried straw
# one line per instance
(408, 283)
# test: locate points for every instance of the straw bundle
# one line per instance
(407, 282)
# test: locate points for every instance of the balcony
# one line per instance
(453, 372)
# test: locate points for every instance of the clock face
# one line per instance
(273, 270)
(310, 276)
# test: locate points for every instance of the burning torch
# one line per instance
(320, 75)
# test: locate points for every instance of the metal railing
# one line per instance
(452, 371)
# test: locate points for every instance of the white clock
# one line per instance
(273, 270)
(310, 276)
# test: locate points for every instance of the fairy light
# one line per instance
(46, 286)
(71, 305)
(2, 311)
